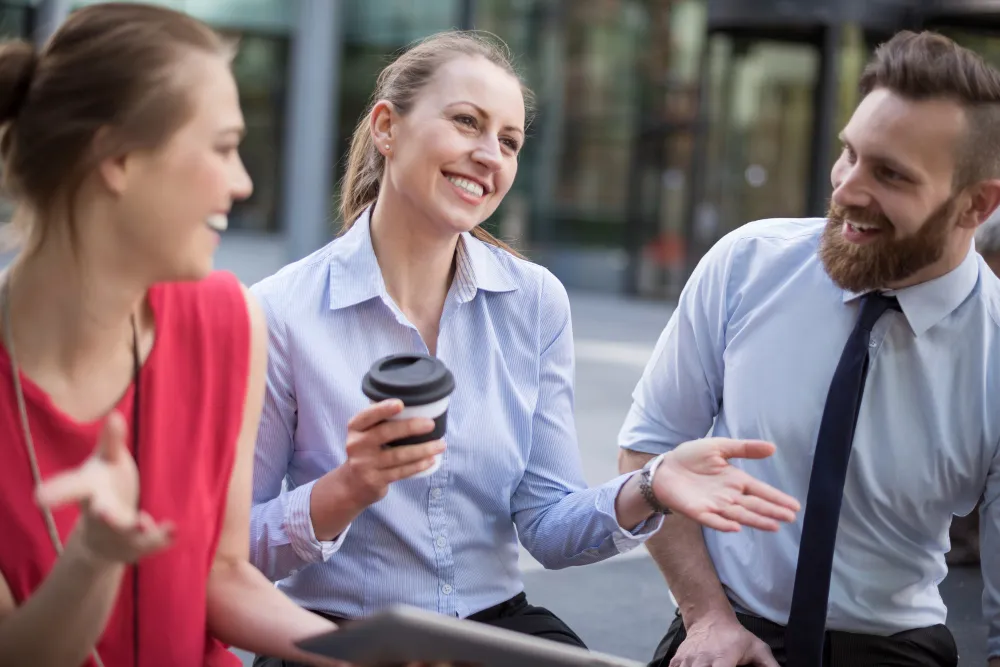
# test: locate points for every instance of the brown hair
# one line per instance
(109, 67)
(927, 65)
(399, 83)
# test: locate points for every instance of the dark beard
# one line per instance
(886, 260)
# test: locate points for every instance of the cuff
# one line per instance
(625, 540)
(299, 528)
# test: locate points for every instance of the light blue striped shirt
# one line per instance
(753, 344)
(448, 542)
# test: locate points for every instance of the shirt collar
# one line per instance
(355, 276)
(928, 303)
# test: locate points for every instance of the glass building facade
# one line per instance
(661, 124)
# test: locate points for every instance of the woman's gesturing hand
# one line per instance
(697, 480)
(106, 486)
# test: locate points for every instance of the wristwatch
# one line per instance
(646, 485)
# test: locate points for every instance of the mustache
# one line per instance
(864, 216)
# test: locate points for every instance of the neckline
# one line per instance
(35, 395)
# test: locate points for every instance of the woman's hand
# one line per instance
(107, 488)
(696, 480)
(371, 467)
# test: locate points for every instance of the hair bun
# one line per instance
(18, 60)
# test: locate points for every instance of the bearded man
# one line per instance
(866, 346)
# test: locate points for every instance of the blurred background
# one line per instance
(661, 125)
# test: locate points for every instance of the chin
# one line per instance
(189, 271)
(462, 219)
(200, 272)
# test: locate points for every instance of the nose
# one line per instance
(242, 185)
(849, 188)
(487, 153)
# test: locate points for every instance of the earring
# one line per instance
(387, 148)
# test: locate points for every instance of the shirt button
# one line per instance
(436, 493)
(441, 542)
(447, 589)
(873, 343)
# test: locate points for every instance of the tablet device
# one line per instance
(402, 634)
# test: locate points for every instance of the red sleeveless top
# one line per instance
(193, 386)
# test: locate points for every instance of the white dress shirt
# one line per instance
(750, 352)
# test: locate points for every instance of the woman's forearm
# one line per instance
(332, 506)
(631, 509)
(246, 611)
(60, 624)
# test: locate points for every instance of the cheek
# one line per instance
(208, 175)
(904, 222)
(505, 178)
(196, 179)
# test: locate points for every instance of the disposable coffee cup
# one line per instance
(424, 385)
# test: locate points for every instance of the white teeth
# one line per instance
(471, 187)
(860, 227)
(218, 221)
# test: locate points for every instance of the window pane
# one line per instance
(260, 68)
(760, 129)
(373, 33)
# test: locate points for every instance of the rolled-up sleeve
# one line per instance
(282, 539)
(679, 394)
(990, 555)
(559, 520)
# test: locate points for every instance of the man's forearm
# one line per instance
(680, 553)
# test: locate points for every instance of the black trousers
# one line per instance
(924, 647)
(514, 614)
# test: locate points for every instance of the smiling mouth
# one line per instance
(473, 188)
(862, 227)
(218, 222)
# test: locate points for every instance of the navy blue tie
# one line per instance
(807, 619)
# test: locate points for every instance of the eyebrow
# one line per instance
(239, 130)
(482, 112)
(889, 162)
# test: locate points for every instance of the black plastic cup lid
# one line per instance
(415, 379)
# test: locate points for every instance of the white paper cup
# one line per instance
(424, 384)
(438, 411)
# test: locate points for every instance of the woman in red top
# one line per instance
(120, 146)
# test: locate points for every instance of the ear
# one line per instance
(984, 197)
(113, 169)
(382, 122)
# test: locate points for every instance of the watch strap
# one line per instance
(646, 485)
